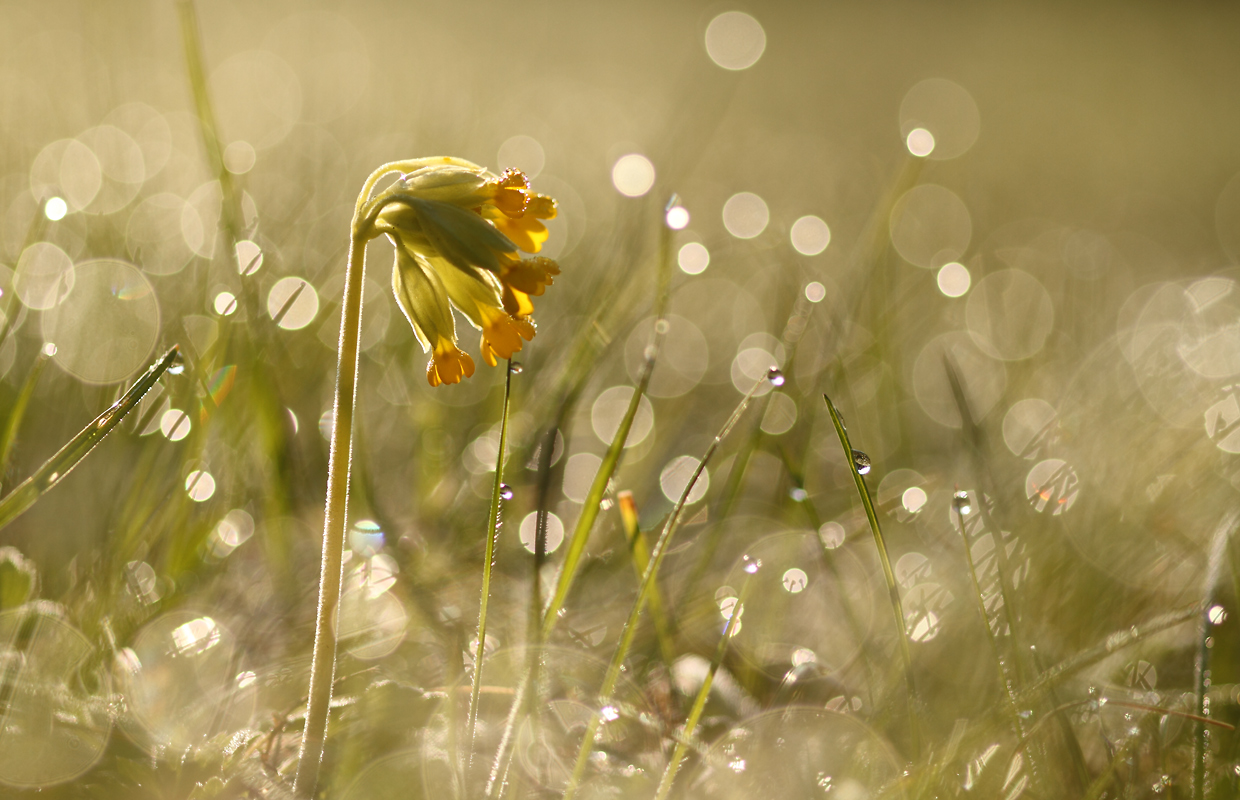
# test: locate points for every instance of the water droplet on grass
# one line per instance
(751, 565)
(515, 367)
(798, 494)
(775, 376)
(960, 501)
(861, 461)
(505, 491)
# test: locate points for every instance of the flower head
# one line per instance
(459, 232)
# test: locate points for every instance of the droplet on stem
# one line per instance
(775, 376)
(861, 461)
(505, 491)
(750, 564)
(515, 367)
(960, 501)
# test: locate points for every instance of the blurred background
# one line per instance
(1041, 198)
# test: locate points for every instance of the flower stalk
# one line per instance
(457, 229)
(323, 659)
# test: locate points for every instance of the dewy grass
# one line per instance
(751, 567)
(611, 460)
(629, 631)
(494, 520)
(851, 456)
(13, 424)
(28, 492)
(591, 506)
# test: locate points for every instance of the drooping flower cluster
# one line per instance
(459, 233)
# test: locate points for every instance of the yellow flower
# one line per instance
(458, 230)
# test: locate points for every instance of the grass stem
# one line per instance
(488, 560)
(699, 702)
(629, 632)
(893, 590)
(28, 492)
(611, 460)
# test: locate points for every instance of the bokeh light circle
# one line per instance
(982, 378)
(920, 142)
(156, 242)
(608, 411)
(633, 175)
(953, 279)
(946, 111)
(683, 357)
(1025, 423)
(1010, 314)
(44, 276)
(745, 215)
(106, 329)
(930, 226)
(523, 153)
(676, 475)
(693, 258)
(579, 473)
(292, 303)
(810, 235)
(735, 40)
(529, 531)
(54, 729)
(181, 678)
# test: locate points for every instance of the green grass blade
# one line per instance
(893, 590)
(629, 632)
(639, 554)
(611, 460)
(492, 533)
(18, 501)
(699, 702)
(14, 422)
(1113, 643)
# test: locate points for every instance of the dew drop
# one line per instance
(960, 501)
(515, 367)
(775, 376)
(861, 461)
(798, 494)
(53, 477)
(751, 565)
(176, 369)
(505, 491)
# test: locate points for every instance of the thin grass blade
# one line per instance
(629, 632)
(893, 590)
(18, 501)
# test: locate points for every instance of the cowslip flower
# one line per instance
(459, 232)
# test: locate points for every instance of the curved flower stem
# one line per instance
(629, 632)
(699, 702)
(323, 661)
(488, 563)
(893, 590)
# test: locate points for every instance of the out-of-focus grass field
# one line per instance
(1004, 238)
